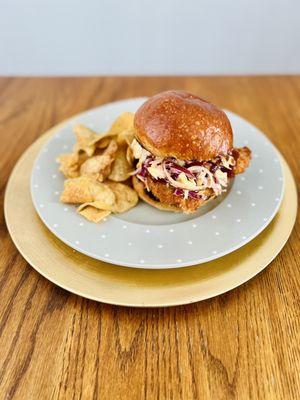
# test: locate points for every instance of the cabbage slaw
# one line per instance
(190, 179)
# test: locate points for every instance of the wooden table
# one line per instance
(55, 345)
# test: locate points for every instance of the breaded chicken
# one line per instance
(165, 194)
(242, 156)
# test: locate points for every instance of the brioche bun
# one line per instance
(181, 125)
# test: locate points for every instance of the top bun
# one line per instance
(178, 124)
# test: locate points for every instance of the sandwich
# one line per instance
(183, 152)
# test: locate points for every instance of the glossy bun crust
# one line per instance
(178, 124)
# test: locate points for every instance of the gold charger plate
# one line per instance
(112, 284)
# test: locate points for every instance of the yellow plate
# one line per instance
(135, 287)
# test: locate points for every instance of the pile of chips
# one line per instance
(96, 168)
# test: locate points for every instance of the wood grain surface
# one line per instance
(55, 345)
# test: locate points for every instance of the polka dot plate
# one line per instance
(145, 237)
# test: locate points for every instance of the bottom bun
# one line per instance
(139, 187)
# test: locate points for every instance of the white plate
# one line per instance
(148, 238)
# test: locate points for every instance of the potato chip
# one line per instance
(103, 142)
(125, 137)
(82, 157)
(95, 158)
(69, 165)
(92, 213)
(125, 197)
(121, 169)
(123, 122)
(129, 156)
(86, 139)
(111, 149)
(86, 190)
(99, 167)
(101, 205)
